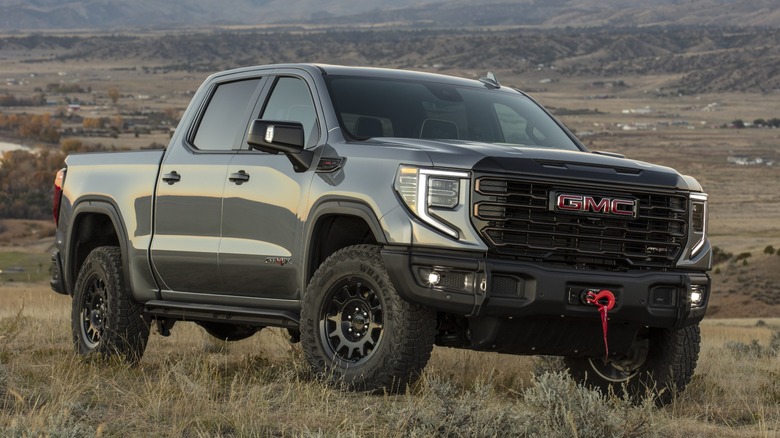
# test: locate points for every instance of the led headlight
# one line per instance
(422, 189)
(698, 221)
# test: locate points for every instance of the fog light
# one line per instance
(434, 278)
(697, 296)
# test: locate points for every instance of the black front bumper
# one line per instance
(477, 287)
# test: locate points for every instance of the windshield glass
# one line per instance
(380, 107)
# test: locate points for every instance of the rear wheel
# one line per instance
(104, 319)
(356, 329)
(660, 364)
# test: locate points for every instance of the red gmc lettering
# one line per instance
(601, 207)
(585, 204)
(616, 203)
(570, 202)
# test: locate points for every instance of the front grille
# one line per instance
(515, 219)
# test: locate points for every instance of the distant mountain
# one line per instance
(115, 14)
(111, 14)
(703, 59)
(576, 13)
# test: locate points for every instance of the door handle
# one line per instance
(171, 178)
(239, 177)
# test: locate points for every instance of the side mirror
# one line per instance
(281, 137)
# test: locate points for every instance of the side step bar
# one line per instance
(226, 314)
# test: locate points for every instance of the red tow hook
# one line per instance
(598, 301)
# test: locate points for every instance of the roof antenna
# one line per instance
(490, 80)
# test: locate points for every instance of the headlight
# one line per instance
(698, 221)
(422, 189)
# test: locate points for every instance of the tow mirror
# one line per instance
(281, 137)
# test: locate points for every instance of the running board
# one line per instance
(225, 314)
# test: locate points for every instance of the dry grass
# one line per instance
(190, 385)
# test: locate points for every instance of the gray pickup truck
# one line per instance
(373, 213)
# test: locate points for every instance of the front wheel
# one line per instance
(105, 320)
(356, 329)
(661, 363)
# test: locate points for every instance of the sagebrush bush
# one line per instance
(774, 342)
(560, 407)
(441, 409)
(555, 406)
(548, 364)
(754, 349)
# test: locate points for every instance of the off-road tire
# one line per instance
(229, 332)
(352, 290)
(105, 320)
(666, 370)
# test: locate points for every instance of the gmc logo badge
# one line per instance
(594, 205)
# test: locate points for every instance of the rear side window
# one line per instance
(225, 116)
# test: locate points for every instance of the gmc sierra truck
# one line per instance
(375, 213)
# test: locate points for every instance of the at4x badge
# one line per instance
(281, 261)
(587, 204)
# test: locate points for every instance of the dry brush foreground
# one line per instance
(189, 385)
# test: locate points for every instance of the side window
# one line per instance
(291, 101)
(225, 116)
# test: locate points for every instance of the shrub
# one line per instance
(755, 349)
(769, 250)
(443, 410)
(548, 364)
(743, 256)
(561, 407)
(719, 255)
(555, 406)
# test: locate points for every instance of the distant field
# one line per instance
(190, 385)
(25, 267)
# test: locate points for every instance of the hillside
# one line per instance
(710, 59)
(113, 14)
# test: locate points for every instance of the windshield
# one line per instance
(380, 107)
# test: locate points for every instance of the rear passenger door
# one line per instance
(260, 253)
(188, 209)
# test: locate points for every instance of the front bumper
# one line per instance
(474, 286)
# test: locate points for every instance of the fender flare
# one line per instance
(341, 207)
(100, 205)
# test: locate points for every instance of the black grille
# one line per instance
(515, 218)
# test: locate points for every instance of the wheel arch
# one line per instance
(95, 222)
(336, 224)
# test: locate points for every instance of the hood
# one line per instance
(543, 163)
